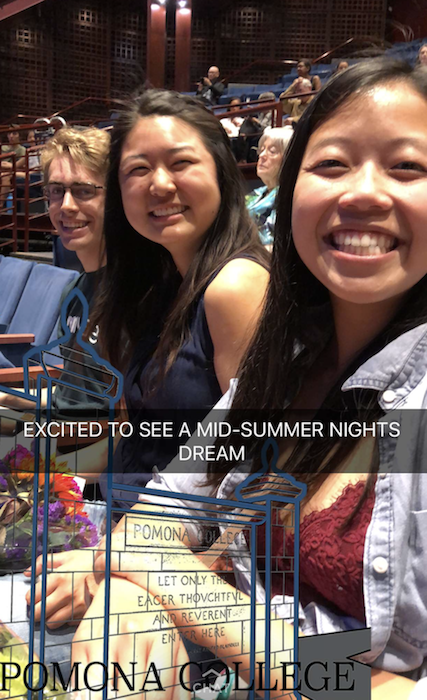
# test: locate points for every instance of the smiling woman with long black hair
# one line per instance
(186, 274)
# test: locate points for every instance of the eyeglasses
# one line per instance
(79, 190)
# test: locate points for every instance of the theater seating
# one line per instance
(36, 313)
(14, 274)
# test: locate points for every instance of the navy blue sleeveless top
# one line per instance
(188, 393)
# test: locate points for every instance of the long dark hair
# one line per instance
(142, 288)
(297, 312)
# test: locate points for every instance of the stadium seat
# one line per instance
(14, 274)
(37, 311)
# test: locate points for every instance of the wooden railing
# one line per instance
(8, 220)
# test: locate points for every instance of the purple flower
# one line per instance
(56, 512)
(3, 483)
(14, 457)
(3, 467)
(16, 552)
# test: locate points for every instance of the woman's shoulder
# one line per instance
(240, 275)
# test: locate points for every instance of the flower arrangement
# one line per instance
(68, 524)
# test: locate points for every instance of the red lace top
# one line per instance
(331, 562)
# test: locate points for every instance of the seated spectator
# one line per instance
(303, 70)
(342, 65)
(210, 88)
(252, 129)
(31, 139)
(295, 106)
(422, 55)
(261, 203)
(13, 146)
(232, 123)
(6, 164)
(33, 157)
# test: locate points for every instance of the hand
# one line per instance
(207, 82)
(135, 637)
(65, 587)
(288, 122)
(143, 543)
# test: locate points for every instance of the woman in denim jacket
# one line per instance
(349, 290)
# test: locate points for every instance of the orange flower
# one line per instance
(63, 487)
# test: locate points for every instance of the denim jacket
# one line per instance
(395, 555)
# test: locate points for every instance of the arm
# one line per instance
(317, 83)
(173, 579)
(289, 91)
(12, 401)
(233, 304)
(217, 88)
(390, 686)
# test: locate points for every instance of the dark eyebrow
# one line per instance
(393, 143)
(56, 182)
(170, 150)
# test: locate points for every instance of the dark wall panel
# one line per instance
(60, 52)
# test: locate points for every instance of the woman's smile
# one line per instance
(359, 207)
(361, 244)
(169, 185)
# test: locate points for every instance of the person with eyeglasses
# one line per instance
(261, 202)
(74, 165)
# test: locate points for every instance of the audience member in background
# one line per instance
(252, 129)
(186, 272)
(33, 158)
(304, 71)
(31, 139)
(232, 123)
(14, 146)
(295, 106)
(342, 65)
(261, 203)
(422, 55)
(6, 165)
(210, 88)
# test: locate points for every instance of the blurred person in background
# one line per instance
(232, 123)
(304, 71)
(342, 65)
(422, 55)
(261, 202)
(6, 164)
(295, 106)
(210, 88)
(253, 128)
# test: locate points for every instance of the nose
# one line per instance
(162, 183)
(68, 202)
(367, 189)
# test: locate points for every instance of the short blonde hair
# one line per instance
(88, 147)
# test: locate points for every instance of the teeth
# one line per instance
(363, 243)
(80, 224)
(168, 212)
